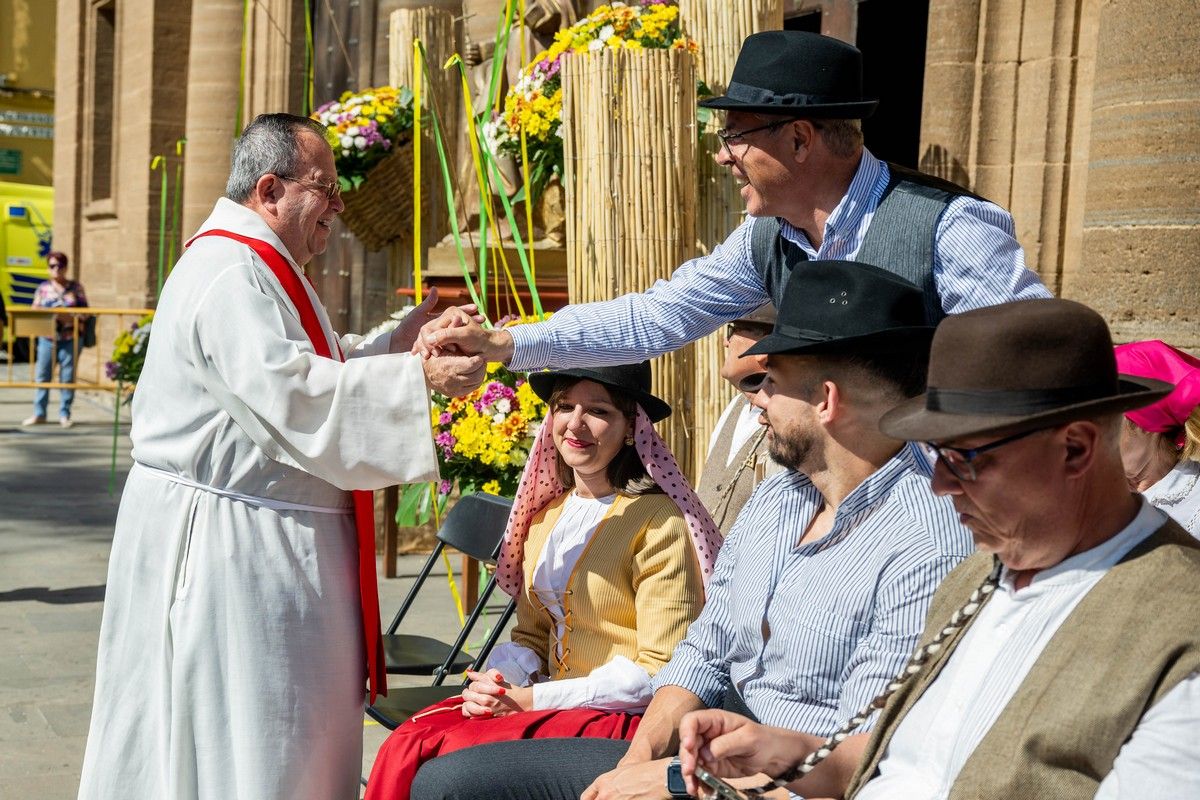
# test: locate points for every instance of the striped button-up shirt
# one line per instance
(809, 633)
(977, 262)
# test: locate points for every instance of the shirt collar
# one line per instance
(869, 494)
(862, 196)
(237, 218)
(1099, 558)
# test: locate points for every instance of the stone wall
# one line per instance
(1140, 264)
(113, 235)
(1081, 117)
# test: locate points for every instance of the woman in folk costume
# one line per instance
(607, 552)
(1160, 443)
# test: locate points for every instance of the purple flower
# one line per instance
(445, 418)
(444, 487)
(110, 370)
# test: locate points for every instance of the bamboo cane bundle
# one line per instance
(719, 26)
(439, 32)
(629, 149)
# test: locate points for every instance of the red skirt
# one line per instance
(442, 729)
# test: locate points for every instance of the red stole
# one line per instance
(364, 502)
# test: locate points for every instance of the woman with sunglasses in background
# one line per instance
(58, 292)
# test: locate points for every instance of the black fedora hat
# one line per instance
(844, 307)
(1018, 367)
(796, 74)
(628, 379)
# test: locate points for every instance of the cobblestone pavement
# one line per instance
(56, 524)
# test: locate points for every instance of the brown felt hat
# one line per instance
(1018, 367)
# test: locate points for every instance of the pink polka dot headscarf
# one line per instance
(539, 485)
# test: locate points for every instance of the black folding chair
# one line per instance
(474, 526)
(402, 703)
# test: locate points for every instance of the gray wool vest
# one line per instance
(899, 239)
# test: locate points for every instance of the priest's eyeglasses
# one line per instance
(729, 138)
(330, 190)
(959, 459)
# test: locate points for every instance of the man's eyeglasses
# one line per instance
(730, 138)
(959, 460)
(330, 190)
(56, 265)
(752, 329)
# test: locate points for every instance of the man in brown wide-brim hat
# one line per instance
(1063, 659)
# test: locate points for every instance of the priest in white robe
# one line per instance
(231, 660)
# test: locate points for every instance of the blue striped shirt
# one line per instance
(977, 262)
(810, 633)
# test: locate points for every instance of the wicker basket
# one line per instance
(380, 210)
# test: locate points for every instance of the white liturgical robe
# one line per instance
(231, 657)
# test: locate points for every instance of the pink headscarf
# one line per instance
(540, 485)
(1155, 359)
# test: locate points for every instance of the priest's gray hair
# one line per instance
(266, 147)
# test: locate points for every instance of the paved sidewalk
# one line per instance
(56, 524)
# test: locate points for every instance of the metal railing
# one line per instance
(27, 324)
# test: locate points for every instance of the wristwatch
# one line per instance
(675, 785)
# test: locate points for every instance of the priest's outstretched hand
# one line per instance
(457, 331)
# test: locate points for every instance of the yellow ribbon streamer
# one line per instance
(418, 79)
(488, 209)
(525, 171)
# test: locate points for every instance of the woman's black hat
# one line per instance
(847, 307)
(796, 74)
(632, 380)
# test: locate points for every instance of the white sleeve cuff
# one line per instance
(517, 663)
(619, 685)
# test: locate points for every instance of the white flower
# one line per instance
(335, 108)
(498, 419)
(352, 130)
(360, 142)
(504, 405)
(347, 142)
(605, 33)
(595, 45)
(345, 154)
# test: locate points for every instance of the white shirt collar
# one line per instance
(237, 218)
(1099, 558)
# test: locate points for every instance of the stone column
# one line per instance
(212, 98)
(1141, 221)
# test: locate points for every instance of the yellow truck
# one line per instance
(26, 219)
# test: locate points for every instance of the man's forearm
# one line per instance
(658, 734)
(832, 776)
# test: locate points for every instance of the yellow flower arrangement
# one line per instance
(483, 439)
(534, 104)
(363, 128)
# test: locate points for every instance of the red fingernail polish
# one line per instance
(501, 690)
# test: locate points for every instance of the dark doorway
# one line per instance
(810, 22)
(891, 35)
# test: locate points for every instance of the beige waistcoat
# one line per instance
(1132, 639)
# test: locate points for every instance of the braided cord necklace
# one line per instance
(915, 664)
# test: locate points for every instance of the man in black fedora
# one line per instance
(821, 587)
(793, 141)
(1063, 660)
